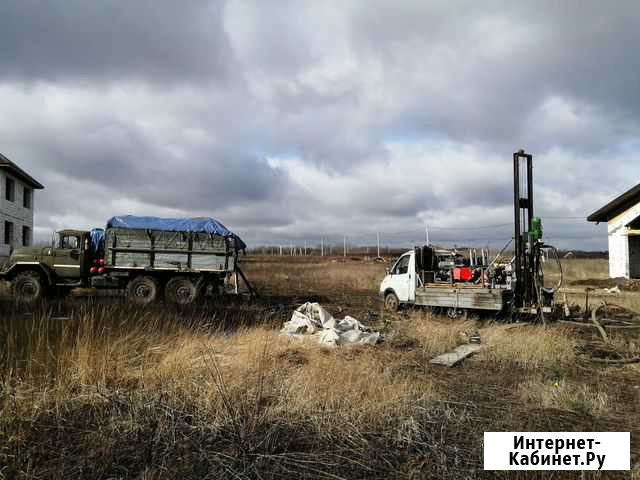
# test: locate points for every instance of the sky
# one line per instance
(300, 120)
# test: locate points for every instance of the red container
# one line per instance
(462, 274)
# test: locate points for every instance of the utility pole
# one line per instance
(426, 231)
(322, 247)
(305, 248)
(292, 252)
(344, 240)
(378, 238)
(280, 250)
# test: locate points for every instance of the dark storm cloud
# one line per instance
(293, 118)
(132, 165)
(482, 72)
(106, 40)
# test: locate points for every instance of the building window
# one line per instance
(10, 190)
(26, 197)
(26, 236)
(8, 233)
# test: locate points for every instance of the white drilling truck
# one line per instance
(448, 281)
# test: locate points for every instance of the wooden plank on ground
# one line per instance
(452, 358)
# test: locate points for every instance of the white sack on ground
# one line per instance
(312, 319)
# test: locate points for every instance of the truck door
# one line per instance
(413, 277)
(67, 256)
(401, 278)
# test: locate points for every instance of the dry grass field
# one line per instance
(92, 388)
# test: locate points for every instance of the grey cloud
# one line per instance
(501, 61)
(129, 163)
(214, 88)
(156, 40)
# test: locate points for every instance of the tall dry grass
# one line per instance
(247, 402)
(91, 389)
(504, 345)
(565, 395)
(315, 274)
(177, 393)
(529, 347)
(577, 269)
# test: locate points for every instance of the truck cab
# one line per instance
(70, 255)
(33, 270)
(399, 285)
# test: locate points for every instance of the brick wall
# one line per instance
(13, 212)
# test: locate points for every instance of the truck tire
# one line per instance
(28, 287)
(181, 291)
(391, 302)
(142, 290)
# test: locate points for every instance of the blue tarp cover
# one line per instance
(196, 225)
(97, 239)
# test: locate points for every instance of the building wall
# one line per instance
(618, 255)
(619, 235)
(14, 212)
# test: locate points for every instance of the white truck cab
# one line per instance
(399, 285)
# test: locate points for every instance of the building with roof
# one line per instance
(16, 207)
(623, 225)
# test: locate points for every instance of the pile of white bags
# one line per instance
(311, 319)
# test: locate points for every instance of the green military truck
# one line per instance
(146, 257)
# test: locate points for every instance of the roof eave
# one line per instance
(24, 176)
(597, 217)
(18, 172)
(616, 206)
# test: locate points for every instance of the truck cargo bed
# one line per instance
(475, 297)
(164, 250)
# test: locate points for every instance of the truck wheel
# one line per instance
(180, 290)
(142, 290)
(28, 287)
(391, 302)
